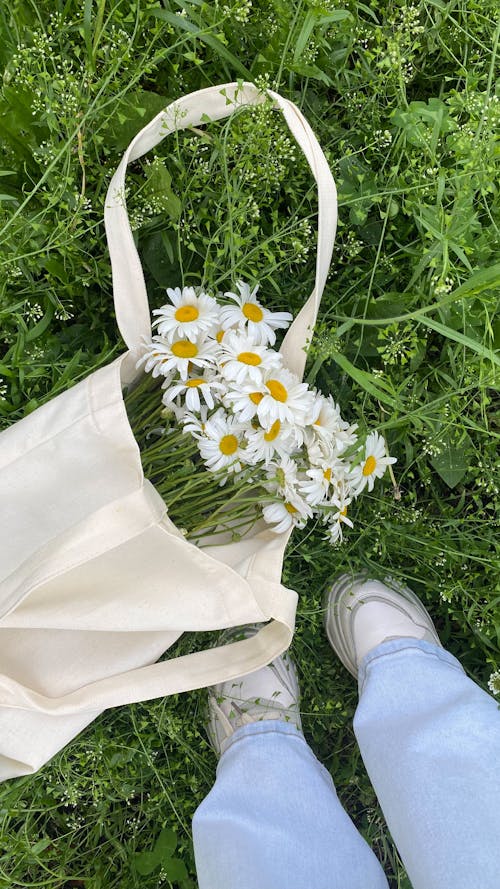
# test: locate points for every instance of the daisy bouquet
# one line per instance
(229, 435)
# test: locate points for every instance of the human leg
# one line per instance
(430, 740)
(273, 819)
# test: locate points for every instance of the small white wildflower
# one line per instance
(494, 683)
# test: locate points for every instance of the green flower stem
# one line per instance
(194, 497)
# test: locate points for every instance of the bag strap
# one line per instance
(184, 673)
(216, 102)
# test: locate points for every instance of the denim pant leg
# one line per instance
(430, 740)
(273, 820)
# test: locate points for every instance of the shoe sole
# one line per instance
(339, 628)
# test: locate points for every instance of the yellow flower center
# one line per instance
(219, 335)
(370, 465)
(277, 390)
(290, 508)
(228, 444)
(184, 349)
(273, 432)
(192, 384)
(252, 312)
(343, 512)
(327, 474)
(256, 397)
(250, 358)
(186, 313)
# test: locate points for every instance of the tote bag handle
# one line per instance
(216, 102)
(179, 674)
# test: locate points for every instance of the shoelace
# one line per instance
(245, 719)
(226, 723)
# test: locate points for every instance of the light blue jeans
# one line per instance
(430, 740)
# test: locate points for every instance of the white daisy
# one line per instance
(194, 424)
(291, 513)
(189, 316)
(221, 443)
(336, 516)
(285, 399)
(175, 409)
(319, 483)
(283, 478)
(263, 444)
(373, 465)
(241, 359)
(328, 424)
(250, 314)
(218, 333)
(243, 399)
(321, 450)
(334, 533)
(192, 388)
(156, 359)
(342, 490)
(182, 354)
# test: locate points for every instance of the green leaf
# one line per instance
(87, 26)
(145, 863)
(357, 215)
(41, 845)
(364, 379)
(133, 113)
(314, 20)
(166, 842)
(485, 279)
(311, 71)
(159, 183)
(303, 38)
(41, 326)
(183, 24)
(459, 338)
(158, 259)
(451, 464)
(175, 869)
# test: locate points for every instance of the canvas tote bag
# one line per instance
(96, 582)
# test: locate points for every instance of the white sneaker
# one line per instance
(361, 613)
(269, 693)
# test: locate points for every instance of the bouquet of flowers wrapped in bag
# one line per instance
(229, 435)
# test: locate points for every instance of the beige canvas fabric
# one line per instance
(96, 583)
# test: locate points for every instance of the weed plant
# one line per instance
(404, 99)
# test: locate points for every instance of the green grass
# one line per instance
(402, 98)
